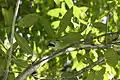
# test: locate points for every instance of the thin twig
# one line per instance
(98, 62)
(78, 74)
(11, 40)
(31, 68)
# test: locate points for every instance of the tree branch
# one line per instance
(11, 40)
(31, 68)
(79, 74)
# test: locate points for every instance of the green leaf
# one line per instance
(83, 12)
(2, 63)
(47, 26)
(71, 37)
(69, 3)
(100, 26)
(56, 12)
(68, 74)
(76, 11)
(8, 16)
(11, 76)
(20, 63)
(99, 75)
(57, 2)
(91, 76)
(23, 44)
(115, 16)
(55, 24)
(65, 21)
(80, 66)
(28, 20)
(75, 63)
(111, 57)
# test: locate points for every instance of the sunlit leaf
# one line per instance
(69, 3)
(80, 66)
(56, 12)
(83, 21)
(8, 16)
(57, 2)
(83, 9)
(75, 63)
(76, 11)
(65, 21)
(55, 24)
(28, 20)
(73, 54)
(23, 44)
(111, 57)
(83, 12)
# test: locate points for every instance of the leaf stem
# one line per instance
(11, 40)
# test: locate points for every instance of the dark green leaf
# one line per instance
(8, 16)
(100, 26)
(71, 37)
(99, 75)
(46, 24)
(20, 63)
(11, 76)
(111, 57)
(65, 21)
(91, 76)
(2, 63)
(68, 74)
(23, 44)
(28, 20)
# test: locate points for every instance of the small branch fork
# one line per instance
(11, 40)
(31, 68)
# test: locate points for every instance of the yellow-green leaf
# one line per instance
(65, 21)
(56, 12)
(57, 2)
(69, 3)
(76, 11)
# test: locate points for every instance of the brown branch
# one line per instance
(31, 68)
